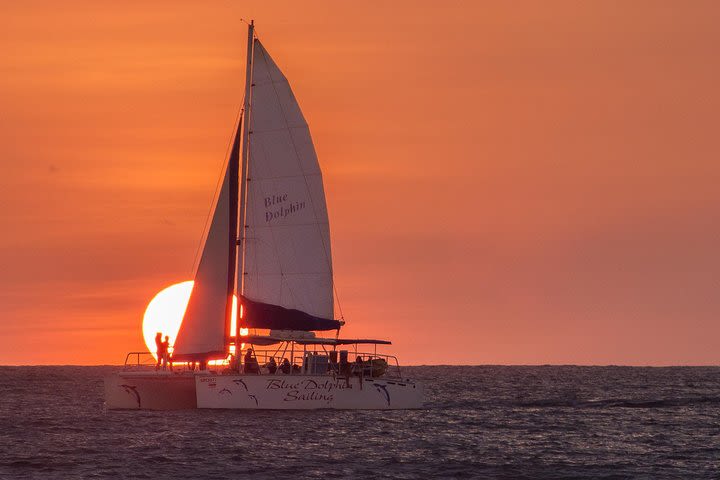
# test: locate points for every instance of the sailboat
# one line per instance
(268, 245)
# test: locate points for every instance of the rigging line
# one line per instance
(307, 186)
(208, 218)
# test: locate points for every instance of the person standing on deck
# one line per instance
(166, 353)
(285, 367)
(272, 366)
(251, 363)
(158, 344)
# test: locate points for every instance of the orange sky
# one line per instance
(507, 182)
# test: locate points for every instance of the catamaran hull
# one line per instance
(280, 392)
(150, 391)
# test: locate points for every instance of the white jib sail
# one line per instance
(203, 327)
(287, 247)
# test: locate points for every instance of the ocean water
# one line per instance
(544, 422)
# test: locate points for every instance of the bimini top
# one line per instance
(273, 339)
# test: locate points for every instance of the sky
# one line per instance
(507, 182)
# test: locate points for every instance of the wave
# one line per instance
(576, 403)
(621, 402)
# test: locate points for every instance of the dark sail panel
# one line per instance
(274, 317)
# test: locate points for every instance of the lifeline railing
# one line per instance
(295, 358)
(298, 359)
(148, 360)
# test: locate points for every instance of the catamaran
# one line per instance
(268, 245)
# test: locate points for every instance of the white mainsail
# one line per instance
(287, 259)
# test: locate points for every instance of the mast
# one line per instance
(244, 179)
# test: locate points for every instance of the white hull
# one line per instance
(150, 391)
(291, 392)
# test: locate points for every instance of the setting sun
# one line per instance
(165, 312)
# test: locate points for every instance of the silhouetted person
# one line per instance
(285, 367)
(159, 349)
(359, 365)
(345, 367)
(333, 362)
(272, 366)
(251, 363)
(234, 363)
(166, 353)
(360, 369)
